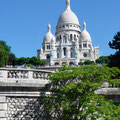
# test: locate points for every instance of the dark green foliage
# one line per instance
(22, 61)
(115, 60)
(103, 60)
(29, 65)
(115, 82)
(73, 94)
(11, 59)
(115, 44)
(88, 62)
(81, 63)
(4, 53)
(35, 61)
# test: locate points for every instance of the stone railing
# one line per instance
(23, 75)
(110, 85)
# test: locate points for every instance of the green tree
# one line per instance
(20, 61)
(88, 62)
(81, 63)
(36, 61)
(29, 65)
(11, 59)
(73, 94)
(4, 53)
(115, 44)
(29, 61)
(103, 60)
(115, 60)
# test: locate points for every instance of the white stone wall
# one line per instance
(3, 108)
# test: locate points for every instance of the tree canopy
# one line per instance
(4, 53)
(115, 58)
(29, 61)
(86, 62)
(73, 94)
(115, 44)
(103, 60)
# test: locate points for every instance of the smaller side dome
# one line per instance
(49, 36)
(84, 34)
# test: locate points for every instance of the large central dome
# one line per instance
(68, 16)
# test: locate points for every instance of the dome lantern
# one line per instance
(84, 25)
(49, 28)
(67, 4)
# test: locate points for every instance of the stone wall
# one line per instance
(24, 108)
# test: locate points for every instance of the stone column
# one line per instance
(68, 53)
(62, 56)
(30, 75)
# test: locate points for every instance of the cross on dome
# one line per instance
(49, 28)
(68, 4)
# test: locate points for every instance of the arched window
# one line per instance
(48, 56)
(58, 53)
(64, 39)
(60, 37)
(71, 53)
(64, 51)
(80, 46)
(85, 45)
(43, 47)
(71, 37)
(48, 46)
(75, 37)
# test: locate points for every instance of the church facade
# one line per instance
(70, 45)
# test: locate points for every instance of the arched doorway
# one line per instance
(56, 63)
(48, 56)
(71, 63)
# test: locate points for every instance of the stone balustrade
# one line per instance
(28, 75)
(24, 75)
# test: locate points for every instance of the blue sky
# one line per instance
(23, 23)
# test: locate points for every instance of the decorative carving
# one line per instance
(18, 74)
(40, 75)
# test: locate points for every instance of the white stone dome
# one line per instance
(68, 16)
(49, 36)
(84, 34)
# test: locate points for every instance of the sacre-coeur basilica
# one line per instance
(70, 45)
